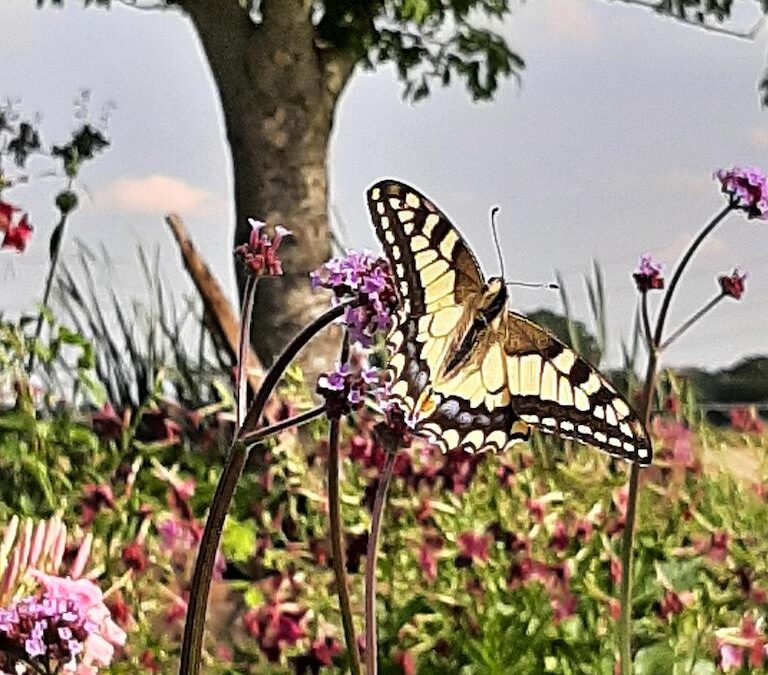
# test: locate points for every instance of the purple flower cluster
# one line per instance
(367, 279)
(648, 274)
(747, 189)
(347, 387)
(259, 255)
(53, 629)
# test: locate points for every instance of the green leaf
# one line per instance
(657, 659)
(239, 540)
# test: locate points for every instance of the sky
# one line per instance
(602, 151)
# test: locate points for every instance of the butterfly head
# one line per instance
(493, 299)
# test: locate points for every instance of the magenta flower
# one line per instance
(473, 548)
(648, 274)
(16, 235)
(259, 255)
(366, 278)
(747, 190)
(746, 420)
(733, 285)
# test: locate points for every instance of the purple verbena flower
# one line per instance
(648, 274)
(348, 386)
(367, 279)
(747, 190)
(259, 255)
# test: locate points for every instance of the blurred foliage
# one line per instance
(489, 564)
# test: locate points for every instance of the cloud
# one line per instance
(157, 195)
(759, 137)
(571, 21)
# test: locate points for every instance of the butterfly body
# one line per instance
(466, 371)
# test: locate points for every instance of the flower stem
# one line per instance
(646, 321)
(665, 303)
(242, 352)
(377, 515)
(336, 533)
(262, 434)
(337, 548)
(684, 327)
(58, 233)
(627, 544)
(191, 647)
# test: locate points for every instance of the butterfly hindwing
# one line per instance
(558, 392)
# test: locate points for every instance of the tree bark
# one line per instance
(278, 93)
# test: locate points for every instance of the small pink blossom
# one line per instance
(473, 548)
(747, 190)
(733, 285)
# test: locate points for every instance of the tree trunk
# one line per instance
(278, 92)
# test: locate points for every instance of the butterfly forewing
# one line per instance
(435, 274)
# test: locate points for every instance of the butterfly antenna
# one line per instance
(495, 231)
(526, 284)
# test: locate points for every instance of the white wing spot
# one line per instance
(412, 200)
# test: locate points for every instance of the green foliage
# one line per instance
(536, 596)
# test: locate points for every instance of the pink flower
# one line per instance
(731, 657)
(259, 255)
(16, 236)
(676, 441)
(473, 548)
(648, 274)
(428, 551)
(747, 190)
(100, 644)
(746, 420)
(733, 285)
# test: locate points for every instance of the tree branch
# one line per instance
(664, 9)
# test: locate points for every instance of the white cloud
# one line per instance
(571, 21)
(760, 137)
(157, 195)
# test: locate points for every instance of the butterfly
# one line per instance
(467, 372)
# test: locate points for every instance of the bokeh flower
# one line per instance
(52, 618)
(16, 231)
(747, 190)
(648, 274)
(259, 255)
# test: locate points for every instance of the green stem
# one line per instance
(371, 556)
(54, 261)
(242, 352)
(681, 268)
(337, 533)
(627, 544)
(684, 327)
(259, 435)
(192, 642)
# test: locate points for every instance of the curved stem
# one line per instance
(337, 548)
(371, 556)
(192, 642)
(627, 544)
(657, 336)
